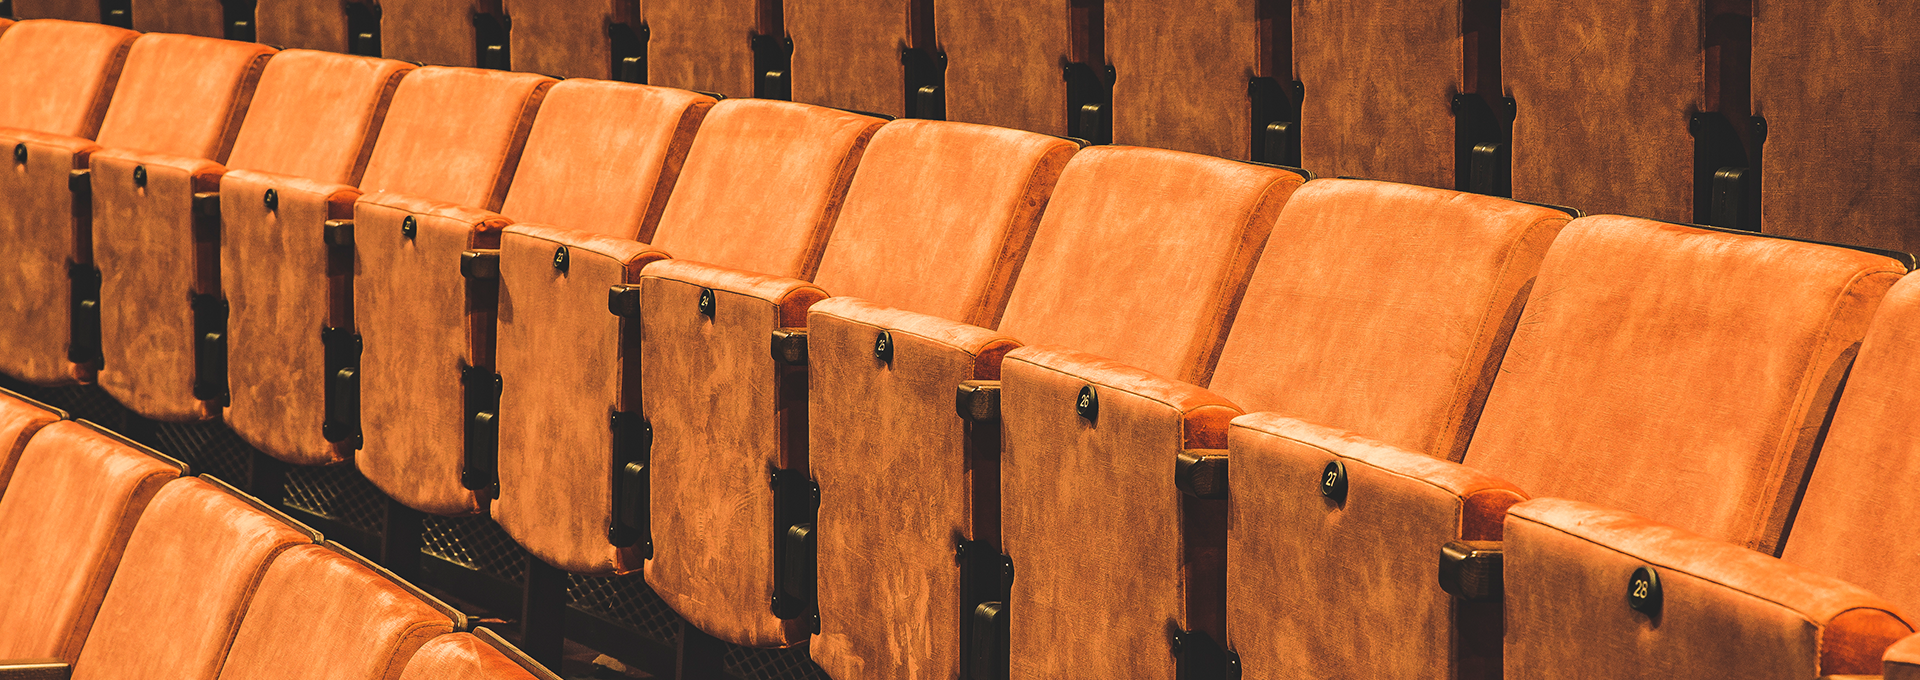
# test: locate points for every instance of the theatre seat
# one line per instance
(70, 10)
(316, 25)
(191, 568)
(866, 55)
(64, 524)
(20, 418)
(598, 39)
(322, 613)
(1205, 77)
(59, 76)
(480, 655)
(204, 18)
(709, 45)
(159, 244)
(444, 32)
(1676, 372)
(1004, 63)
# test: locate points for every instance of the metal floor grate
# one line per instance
(477, 543)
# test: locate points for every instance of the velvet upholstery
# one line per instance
(44, 229)
(703, 46)
(60, 75)
(302, 24)
(776, 170)
(455, 135)
(1902, 661)
(437, 32)
(1003, 62)
(64, 524)
(1829, 78)
(567, 39)
(70, 10)
(846, 53)
(1380, 79)
(183, 95)
(421, 322)
(190, 570)
(1699, 406)
(1299, 563)
(1181, 73)
(1135, 233)
(191, 17)
(19, 421)
(316, 115)
(464, 656)
(1364, 261)
(889, 592)
(1060, 475)
(712, 507)
(1631, 127)
(1726, 611)
(319, 614)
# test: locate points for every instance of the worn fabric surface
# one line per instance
(1003, 62)
(282, 288)
(1066, 478)
(191, 568)
(702, 46)
(63, 528)
(939, 217)
(728, 413)
(438, 32)
(1299, 562)
(191, 17)
(455, 135)
(420, 322)
(70, 10)
(1384, 308)
(1134, 235)
(183, 95)
(316, 115)
(889, 588)
(563, 370)
(302, 24)
(1679, 373)
(1832, 79)
(1903, 659)
(566, 39)
(19, 421)
(763, 186)
(461, 655)
(60, 75)
(45, 229)
(319, 614)
(1181, 73)
(1380, 79)
(846, 53)
(1583, 135)
(1725, 610)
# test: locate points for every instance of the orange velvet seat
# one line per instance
(179, 96)
(724, 410)
(1003, 62)
(20, 418)
(64, 523)
(60, 75)
(191, 567)
(708, 45)
(1182, 75)
(1667, 370)
(321, 613)
(480, 655)
(158, 245)
(597, 39)
(865, 55)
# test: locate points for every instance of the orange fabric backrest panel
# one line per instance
(763, 185)
(191, 17)
(568, 39)
(1379, 79)
(439, 32)
(320, 614)
(70, 10)
(1832, 80)
(603, 156)
(63, 528)
(1678, 373)
(19, 421)
(316, 114)
(302, 24)
(454, 135)
(703, 45)
(461, 655)
(1854, 521)
(1602, 91)
(191, 567)
(1003, 62)
(1384, 308)
(1181, 73)
(846, 53)
(940, 215)
(1143, 255)
(60, 75)
(183, 95)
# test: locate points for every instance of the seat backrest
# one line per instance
(303, 24)
(1371, 275)
(183, 95)
(63, 528)
(603, 156)
(1830, 78)
(480, 655)
(706, 45)
(1143, 254)
(321, 612)
(580, 39)
(60, 75)
(1854, 519)
(939, 217)
(191, 17)
(1678, 373)
(763, 185)
(1182, 72)
(70, 10)
(316, 114)
(455, 135)
(1003, 61)
(191, 567)
(437, 32)
(848, 54)
(20, 418)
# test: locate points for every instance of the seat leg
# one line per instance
(543, 613)
(700, 656)
(401, 540)
(267, 478)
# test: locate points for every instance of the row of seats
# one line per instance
(1717, 112)
(122, 564)
(765, 425)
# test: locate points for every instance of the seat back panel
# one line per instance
(1182, 73)
(320, 614)
(316, 115)
(847, 53)
(1380, 79)
(702, 45)
(455, 135)
(183, 95)
(1003, 62)
(60, 75)
(568, 39)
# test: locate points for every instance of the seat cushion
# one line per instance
(320, 615)
(462, 655)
